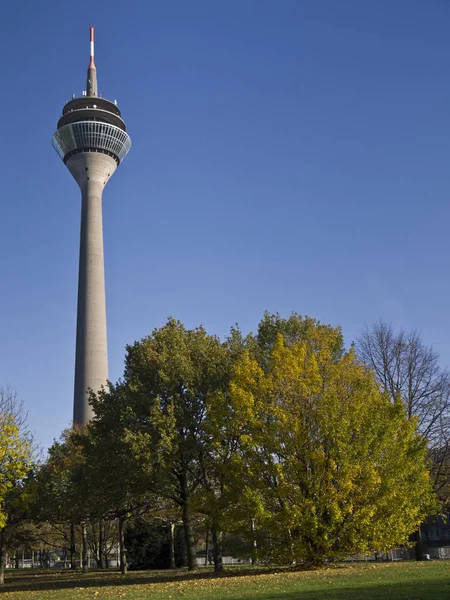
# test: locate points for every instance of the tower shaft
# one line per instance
(91, 171)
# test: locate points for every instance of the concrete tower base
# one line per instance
(91, 171)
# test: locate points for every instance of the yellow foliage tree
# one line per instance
(328, 466)
(15, 458)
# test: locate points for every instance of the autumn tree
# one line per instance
(15, 464)
(410, 371)
(294, 329)
(328, 465)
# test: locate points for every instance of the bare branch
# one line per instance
(409, 370)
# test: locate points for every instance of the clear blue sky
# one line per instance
(287, 155)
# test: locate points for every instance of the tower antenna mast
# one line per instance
(91, 86)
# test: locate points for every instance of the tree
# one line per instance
(63, 490)
(118, 465)
(328, 464)
(25, 535)
(219, 488)
(410, 371)
(11, 404)
(15, 463)
(160, 406)
(294, 329)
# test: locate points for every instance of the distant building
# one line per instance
(436, 536)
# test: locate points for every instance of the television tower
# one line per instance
(92, 141)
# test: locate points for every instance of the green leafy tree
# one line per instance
(63, 490)
(161, 406)
(119, 463)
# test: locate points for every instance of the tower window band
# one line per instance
(91, 136)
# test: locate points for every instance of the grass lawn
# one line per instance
(366, 581)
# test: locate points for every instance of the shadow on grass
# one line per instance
(31, 580)
(438, 589)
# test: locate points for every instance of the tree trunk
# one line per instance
(72, 546)
(254, 542)
(16, 559)
(32, 559)
(84, 551)
(216, 535)
(94, 546)
(101, 545)
(419, 544)
(207, 547)
(123, 551)
(171, 527)
(291, 546)
(2, 556)
(187, 523)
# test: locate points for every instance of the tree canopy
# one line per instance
(282, 438)
(331, 466)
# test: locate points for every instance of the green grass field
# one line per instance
(366, 581)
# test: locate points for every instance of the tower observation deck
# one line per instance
(92, 140)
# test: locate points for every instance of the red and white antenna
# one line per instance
(91, 64)
(91, 86)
